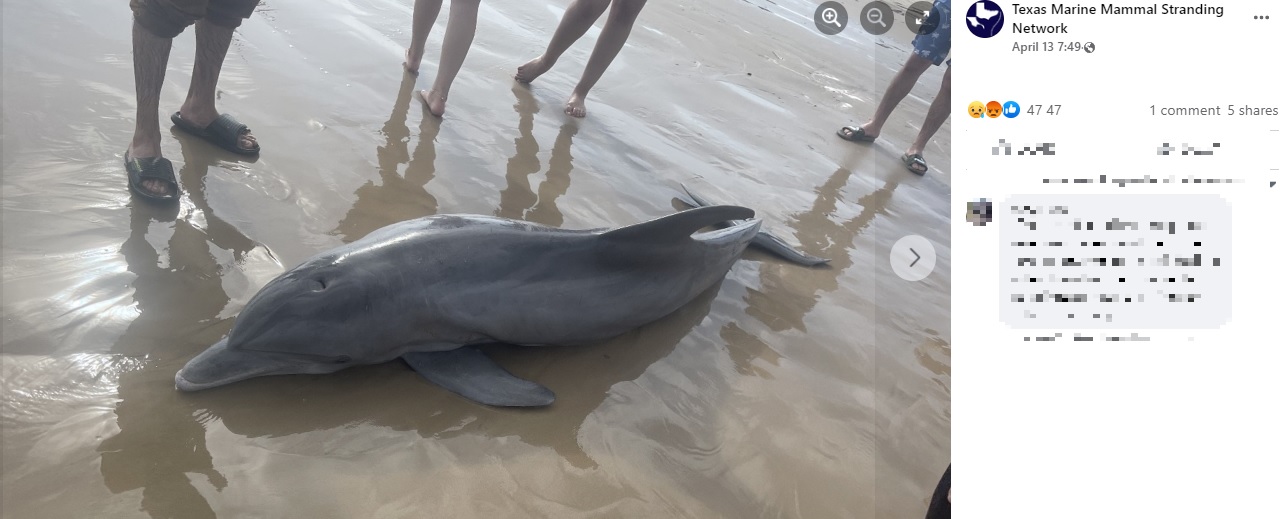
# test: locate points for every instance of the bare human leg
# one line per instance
(425, 14)
(580, 15)
(212, 42)
(900, 86)
(151, 54)
(936, 116)
(458, 39)
(619, 24)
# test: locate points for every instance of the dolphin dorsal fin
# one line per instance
(680, 225)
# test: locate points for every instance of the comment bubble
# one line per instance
(1114, 261)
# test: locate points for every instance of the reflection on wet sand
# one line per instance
(391, 395)
(399, 197)
(832, 239)
(778, 304)
(161, 439)
(518, 201)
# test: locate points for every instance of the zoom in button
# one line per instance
(830, 18)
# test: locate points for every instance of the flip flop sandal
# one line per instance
(913, 162)
(855, 134)
(225, 132)
(151, 168)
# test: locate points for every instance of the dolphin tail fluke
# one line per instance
(764, 239)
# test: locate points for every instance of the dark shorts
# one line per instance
(168, 18)
(934, 45)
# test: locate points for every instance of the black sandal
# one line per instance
(915, 163)
(225, 132)
(855, 134)
(151, 168)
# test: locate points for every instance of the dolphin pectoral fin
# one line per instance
(471, 374)
(678, 226)
(777, 246)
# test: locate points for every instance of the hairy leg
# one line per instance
(151, 54)
(212, 42)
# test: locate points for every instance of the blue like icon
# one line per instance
(1010, 109)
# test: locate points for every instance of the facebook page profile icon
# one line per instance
(984, 18)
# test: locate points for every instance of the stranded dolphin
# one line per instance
(427, 290)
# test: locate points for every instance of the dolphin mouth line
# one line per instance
(182, 384)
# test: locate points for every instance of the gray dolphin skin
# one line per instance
(428, 290)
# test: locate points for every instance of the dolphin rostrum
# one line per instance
(428, 290)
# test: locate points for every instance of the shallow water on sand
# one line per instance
(783, 392)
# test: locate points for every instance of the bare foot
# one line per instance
(434, 100)
(575, 106)
(532, 69)
(202, 118)
(147, 150)
(411, 64)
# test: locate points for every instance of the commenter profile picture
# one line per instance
(984, 19)
(980, 212)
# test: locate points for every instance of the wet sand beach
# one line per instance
(783, 392)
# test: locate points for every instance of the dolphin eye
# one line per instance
(318, 285)
(342, 359)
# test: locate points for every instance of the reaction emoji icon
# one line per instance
(976, 109)
(1010, 109)
(993, 109)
